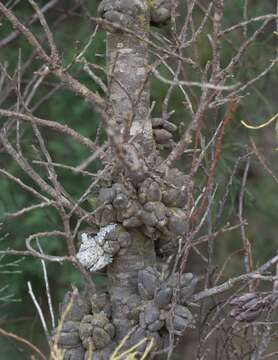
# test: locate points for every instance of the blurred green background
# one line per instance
(17, 312)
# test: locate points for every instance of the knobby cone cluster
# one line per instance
(249, 307)
(159, 308)
(123, 12)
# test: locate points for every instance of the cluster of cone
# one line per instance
(157, 207)
(157, 310)
(250, 306)
(123, 12)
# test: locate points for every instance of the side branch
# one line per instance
(51, 124)
(13, 35)
(233, 281)
(53, 66)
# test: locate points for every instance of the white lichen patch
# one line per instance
(96, 252)
(124, 50)
(136, 128)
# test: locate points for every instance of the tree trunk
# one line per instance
(140, 207)
(127, 61)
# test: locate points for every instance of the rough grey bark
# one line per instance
(127, 60)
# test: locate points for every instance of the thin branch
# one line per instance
(262, 160)
(248, 259)
(47, 288)
(64, 129)
(39, 310)
(24, 186)
(54, 51)
(243, 24)
(203, 85)
(233, 281)
(70, 82)
(30, 208)
(24, 341)
(14, 35)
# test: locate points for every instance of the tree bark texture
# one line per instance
(137, 214)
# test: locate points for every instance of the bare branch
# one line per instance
(233, 281)
(39, 310)
(24, 341)
(13, 35)
(64, 129)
